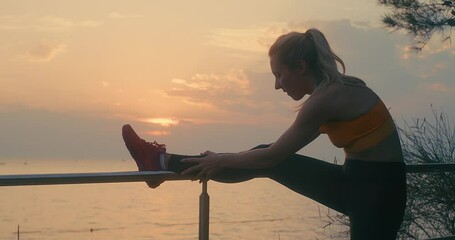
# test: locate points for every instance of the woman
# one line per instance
(370, 187)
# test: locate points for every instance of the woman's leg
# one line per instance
(313, 178)
(225, 176)
(376, 198)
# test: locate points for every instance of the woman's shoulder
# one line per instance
(352, 81)
(343, 101)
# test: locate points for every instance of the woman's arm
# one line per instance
(297, 136)
(303, 131)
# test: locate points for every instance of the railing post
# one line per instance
(204, 208)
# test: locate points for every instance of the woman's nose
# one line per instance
(277, 85)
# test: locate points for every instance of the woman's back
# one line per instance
(352, 100)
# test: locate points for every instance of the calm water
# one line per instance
(258, 209)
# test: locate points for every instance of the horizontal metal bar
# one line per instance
(444, 238)
(430, 167)
(78, 178)
(140, 176)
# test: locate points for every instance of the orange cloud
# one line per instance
(158, 133)
(250, 39)
(437, 67)
(43, 23)
(441, 87)
(43, 52)
(435, 47)
(208, 89)
(117, 15)
(231, 92)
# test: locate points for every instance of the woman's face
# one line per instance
(291, 81)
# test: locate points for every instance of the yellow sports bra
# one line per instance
(363, 132)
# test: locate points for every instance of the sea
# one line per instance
(256, 209)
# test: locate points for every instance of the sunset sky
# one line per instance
(194, 75)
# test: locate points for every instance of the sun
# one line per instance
(165, 122)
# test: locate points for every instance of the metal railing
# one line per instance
(430, 167)
(113, 177)
(135, 176)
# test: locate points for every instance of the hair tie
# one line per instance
(309, 36)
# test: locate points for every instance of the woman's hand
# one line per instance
(208, 153)
(206, 167)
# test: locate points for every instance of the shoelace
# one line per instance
(155, 144)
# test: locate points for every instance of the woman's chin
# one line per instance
(295, 98)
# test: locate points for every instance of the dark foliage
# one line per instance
(421, 19)
(431, 196)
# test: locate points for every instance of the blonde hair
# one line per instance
(312, 47)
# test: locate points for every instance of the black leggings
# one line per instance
(372, 194)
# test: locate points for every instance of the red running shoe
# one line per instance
(146, 154)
